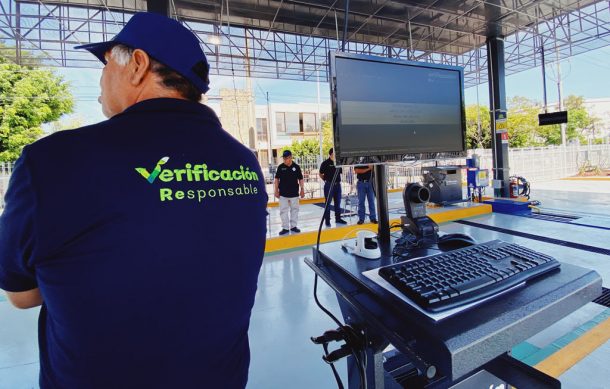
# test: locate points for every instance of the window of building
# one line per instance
(261, 129)
(292, 122)
(308, 122)
(280, 122)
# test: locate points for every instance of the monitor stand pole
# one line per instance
(381, 190)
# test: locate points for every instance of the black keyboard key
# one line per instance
(474, 284)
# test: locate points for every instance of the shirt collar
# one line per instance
(172, 105)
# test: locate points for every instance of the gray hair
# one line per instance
(169, 78)
(121, 54)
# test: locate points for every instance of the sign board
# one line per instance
(545, 119)
(500, 116)
(505, 137)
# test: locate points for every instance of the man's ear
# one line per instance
(138, 67)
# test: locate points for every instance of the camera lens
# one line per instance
(419, 194)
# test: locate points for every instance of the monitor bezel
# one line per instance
(394, 155)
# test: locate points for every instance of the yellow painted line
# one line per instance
(339, 233)
(314, 200)
(460, 213)
(317, 200)
(522, 199)
(559, 362)
(586, 178)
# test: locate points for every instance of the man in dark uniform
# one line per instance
(288, 180)
(327, 172)
(127, 244)
(365, 191)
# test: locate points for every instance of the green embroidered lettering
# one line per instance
(225, 175)
(178, 173)
(166, 194)
(214, 175)
(166, 175)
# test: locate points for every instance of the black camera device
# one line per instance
(415, 197)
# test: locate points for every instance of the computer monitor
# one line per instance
(387, 109)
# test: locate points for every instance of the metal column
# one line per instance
(497, 103)
(158, 6)
(381, 191)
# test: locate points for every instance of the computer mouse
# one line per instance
(455, 241)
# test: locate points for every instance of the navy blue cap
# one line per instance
(286, 153)
(165, 40)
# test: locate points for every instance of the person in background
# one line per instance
(365, 191)
(327, 172)
(288, 185)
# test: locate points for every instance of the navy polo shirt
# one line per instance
(289, 177)
(128, 229)
(328, 168)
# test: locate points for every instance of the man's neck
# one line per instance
(153, 90)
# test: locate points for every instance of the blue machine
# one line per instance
(476, 178)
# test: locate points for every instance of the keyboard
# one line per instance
(452, 279)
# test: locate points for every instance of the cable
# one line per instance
(359, 361)
(326, 203)
(315, 296)
(315, 283)
(361, 370)
(332, 366)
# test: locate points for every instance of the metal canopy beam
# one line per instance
(292, 41)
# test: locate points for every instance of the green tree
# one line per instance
(311, 147)
(522, 122)
(29, 97)
(477, 137)
(66, 123)
(581, 124)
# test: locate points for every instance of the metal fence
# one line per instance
(550, 163)
(398, 175)
(6, 168)
(536, 164)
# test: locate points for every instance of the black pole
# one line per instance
(381, 189)
(543, 76)
(497, 102)
(345, 25)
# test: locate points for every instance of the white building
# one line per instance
(283, 122)
(289, 122)
(600, 108)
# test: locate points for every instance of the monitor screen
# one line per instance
(384, 106)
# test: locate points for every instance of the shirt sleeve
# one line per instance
(17, 231)
(323, 168)
(277, 172)
(300, 172)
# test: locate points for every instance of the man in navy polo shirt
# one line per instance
(122, 230)
(327, 173)
(288, 185)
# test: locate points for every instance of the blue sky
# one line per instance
(585, 75)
